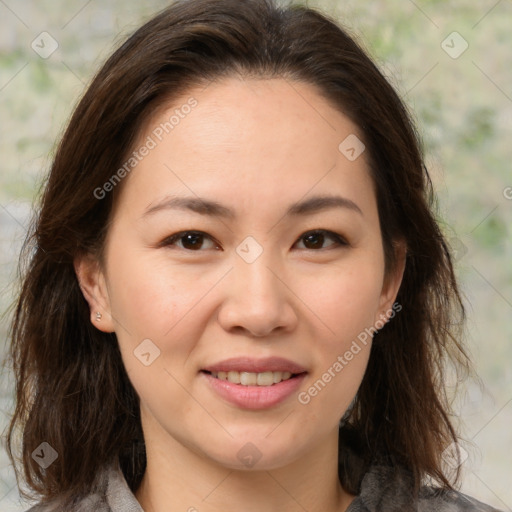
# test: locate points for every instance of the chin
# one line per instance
(252, 455)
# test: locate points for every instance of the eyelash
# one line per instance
(339, 240)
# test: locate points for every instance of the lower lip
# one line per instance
(254, 397)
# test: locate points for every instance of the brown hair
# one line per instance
(72, 389)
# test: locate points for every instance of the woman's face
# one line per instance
(256, 283)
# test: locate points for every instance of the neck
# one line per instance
(178, 479)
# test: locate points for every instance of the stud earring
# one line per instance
(98, 316)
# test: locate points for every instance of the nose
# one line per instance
(257, 301)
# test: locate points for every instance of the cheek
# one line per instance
(151, 298)
(347, 305)
(347, 301)
(153, 301)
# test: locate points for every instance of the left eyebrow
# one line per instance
(319, 203)
(214, 209)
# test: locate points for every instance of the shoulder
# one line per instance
(111, 494)
(450, 501)
(94, 501)
(87, 504)
(387, 489)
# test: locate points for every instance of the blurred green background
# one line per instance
(461, 99)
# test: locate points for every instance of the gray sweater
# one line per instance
(382, 490)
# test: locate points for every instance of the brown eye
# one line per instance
(190, 240)
(195, 240)
(315, 239)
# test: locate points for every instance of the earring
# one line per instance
(98, 316)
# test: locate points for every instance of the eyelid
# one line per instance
(340, 241)
(170, 240)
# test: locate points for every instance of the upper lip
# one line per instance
(251, 365)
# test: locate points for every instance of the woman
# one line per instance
(240, 297)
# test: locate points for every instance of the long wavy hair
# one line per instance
(72, 390)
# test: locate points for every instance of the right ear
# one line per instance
(92, 282)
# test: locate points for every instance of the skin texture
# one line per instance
(255, 146)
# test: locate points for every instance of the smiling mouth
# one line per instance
(253, 379)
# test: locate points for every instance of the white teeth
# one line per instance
(234, 377)
(248, 379)
(265, 379)
(253, 379)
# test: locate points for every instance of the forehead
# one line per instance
(237, 111)
(249, 138)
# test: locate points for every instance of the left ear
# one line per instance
(392, 282)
